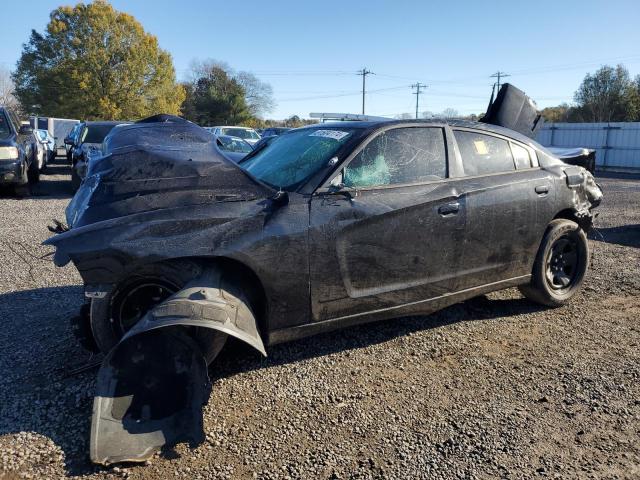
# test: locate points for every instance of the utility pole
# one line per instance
(364, 72)
(417, 86)
(499, 75)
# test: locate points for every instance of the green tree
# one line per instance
(556, 114)
(608, 95)
(94, 62)
(213, 97)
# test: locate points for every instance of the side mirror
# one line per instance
(67, 141)
(25, 130)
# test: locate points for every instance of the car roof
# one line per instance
(107, 122)
(234, 126)
(375, 124)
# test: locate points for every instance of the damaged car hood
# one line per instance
(153, 166)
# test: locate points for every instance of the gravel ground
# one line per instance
(493, 387)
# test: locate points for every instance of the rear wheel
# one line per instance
(22, 189)
(560, 265)
(33, 172)
(124, 306)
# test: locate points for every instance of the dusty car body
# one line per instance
(327, 226)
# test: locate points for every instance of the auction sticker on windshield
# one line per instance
(335, 134)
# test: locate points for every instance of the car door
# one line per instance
(388, 236)
(508, 201)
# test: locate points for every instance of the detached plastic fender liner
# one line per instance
(153, 384)
(205, 303)
(150, 392)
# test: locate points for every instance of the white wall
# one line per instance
(617, 143)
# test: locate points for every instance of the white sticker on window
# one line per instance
(335, 134)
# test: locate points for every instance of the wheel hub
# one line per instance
(562, 262)
(130, 305)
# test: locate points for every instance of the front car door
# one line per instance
(390, 235)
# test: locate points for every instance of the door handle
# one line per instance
(449, 209)
(542, 189)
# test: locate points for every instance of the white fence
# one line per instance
(617, 143)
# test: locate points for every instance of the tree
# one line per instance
(94, 62)
(7, 90)
(608, 95)
(556, 114)
(258, 95)
(215, 98)
(449, 113)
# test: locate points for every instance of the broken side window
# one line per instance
(399, 156)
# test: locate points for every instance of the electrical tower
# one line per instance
(417, 87)
(499, 75)
(364, 72)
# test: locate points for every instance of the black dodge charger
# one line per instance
(326, 226)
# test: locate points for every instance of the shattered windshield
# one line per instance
(294, 157)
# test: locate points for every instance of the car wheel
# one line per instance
(122, 307)
(33, 173)
(560, 265)
(22, 189)
(75, 179)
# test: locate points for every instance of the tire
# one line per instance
(75, 179)
(22, 189)
(112, 315)
(560, 265)
(33, 173)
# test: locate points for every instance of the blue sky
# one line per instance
(309, 51)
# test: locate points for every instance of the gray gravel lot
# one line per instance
(493, 387)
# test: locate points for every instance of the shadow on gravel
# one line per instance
(42, 394)
(626, 235)
(237, 357)
(39, 391)
(55, 183)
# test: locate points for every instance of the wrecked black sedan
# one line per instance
(324, 227)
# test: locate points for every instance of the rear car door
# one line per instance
(509, 201)
(390, 236)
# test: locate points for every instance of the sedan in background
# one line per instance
(234, 148)
(88, 144)
(274, 131)
(48, 144)
(247, 134)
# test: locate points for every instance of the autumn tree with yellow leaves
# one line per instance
(94, 62)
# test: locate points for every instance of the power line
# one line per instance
(499, 75)
(417, 87)
(364, 72)
(345, 94)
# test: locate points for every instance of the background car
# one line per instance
(87, 144)
(48, 145)
(71, 139)
(273, 131)
(17, 165)
(233, 148)
(247, 134)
